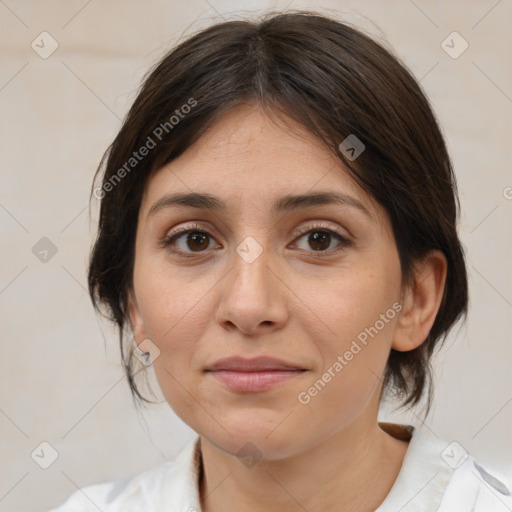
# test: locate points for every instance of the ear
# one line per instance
(421, 301)
(136, 321)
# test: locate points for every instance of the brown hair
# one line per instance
(335, 81)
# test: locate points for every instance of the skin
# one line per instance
(290, 303)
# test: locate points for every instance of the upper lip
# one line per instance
(255, 364)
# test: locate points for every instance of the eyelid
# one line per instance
(318, 225)
(175, 233)
(344, 241)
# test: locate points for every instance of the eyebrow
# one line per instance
(284, 204)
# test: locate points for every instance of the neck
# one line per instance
(354, 469)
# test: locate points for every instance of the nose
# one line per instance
(253, 298)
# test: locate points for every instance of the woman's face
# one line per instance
(266, 271)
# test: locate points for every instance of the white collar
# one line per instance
(174, 485)
(423, 477)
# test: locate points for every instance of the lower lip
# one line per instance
(251, 382)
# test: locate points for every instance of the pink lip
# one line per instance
(251, 382)
(253, 375)
(256, 364)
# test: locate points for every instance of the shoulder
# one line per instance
(108, 495)
(472, 487)
(467, 485)
(172, 483)
(92, 497)
(441, 476)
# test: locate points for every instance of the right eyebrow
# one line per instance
(193, 200)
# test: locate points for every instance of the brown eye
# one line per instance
(188, 242)
(319, 240)
(197, 241)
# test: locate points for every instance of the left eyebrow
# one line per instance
(283, 204)
(295, 202)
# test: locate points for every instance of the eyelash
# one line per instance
(169, 240)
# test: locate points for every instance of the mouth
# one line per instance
(253, 375)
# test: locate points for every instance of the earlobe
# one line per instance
(421, 302)
(135, 317)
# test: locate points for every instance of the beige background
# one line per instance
(61, 381)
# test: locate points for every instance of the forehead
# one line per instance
(250, 154)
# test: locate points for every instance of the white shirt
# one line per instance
(435, 476)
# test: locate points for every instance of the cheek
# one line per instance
(172, 306)
(351, 371)
(175, 313)
(350, 305)
(174, 322)
(351, 322)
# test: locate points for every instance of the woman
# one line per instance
(278, 231)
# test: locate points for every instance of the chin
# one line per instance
(250, 449)
(250, 435)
